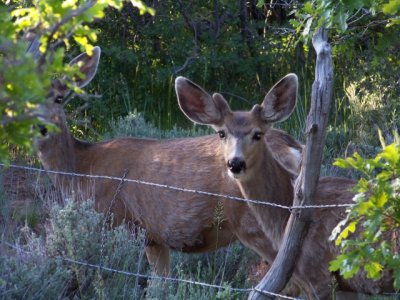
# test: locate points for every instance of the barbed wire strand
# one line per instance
(171, 187)
(154, 277)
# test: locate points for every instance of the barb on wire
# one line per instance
(175, 188)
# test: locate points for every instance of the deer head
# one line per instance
(241, 133)
(52, 111)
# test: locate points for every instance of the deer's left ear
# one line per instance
(280, 101)
(87, 65)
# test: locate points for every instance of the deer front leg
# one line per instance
(159, 258)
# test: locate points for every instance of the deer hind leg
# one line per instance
(159, 258)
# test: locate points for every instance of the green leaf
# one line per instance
(260, 3)
(363, 186)
(363, 207)
(142, 7)
(350, 270)
(308, 8)
(373, 270)
(345, 233)
(381, 199)
(384, 175)
(392, 7)
(342, 163)
(335, 264)
(391, 154)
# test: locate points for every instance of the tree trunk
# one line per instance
(297, 227)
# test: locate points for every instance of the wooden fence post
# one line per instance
(297, 227)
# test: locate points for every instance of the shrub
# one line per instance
(375, 216)
(79, 233)
(135, 125)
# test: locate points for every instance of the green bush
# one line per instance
(135, 125)
(374, 217)
(76, 232)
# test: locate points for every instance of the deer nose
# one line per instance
(43, 129)
(236, 165)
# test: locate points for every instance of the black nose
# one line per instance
(43, 129)
(236, 165)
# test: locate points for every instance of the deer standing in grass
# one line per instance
(172, 219)
(250, 162)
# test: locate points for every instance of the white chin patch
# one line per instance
(236, 175)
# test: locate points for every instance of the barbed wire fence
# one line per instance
(122, 180)
(176, 188)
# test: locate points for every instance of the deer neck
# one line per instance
(58, 150)
(269, 182)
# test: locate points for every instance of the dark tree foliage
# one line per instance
(233, 47)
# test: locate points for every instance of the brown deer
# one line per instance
(251, 163)
(175, 220)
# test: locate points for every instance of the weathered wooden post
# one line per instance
(297, 227)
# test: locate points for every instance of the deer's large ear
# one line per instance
(87, 65)
(280, 101)
(199, 106)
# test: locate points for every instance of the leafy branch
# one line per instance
(375, 217)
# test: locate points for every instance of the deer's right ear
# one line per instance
(87, 65)
(198, 105)
(280, 101)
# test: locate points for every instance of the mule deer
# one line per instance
(251, 164)
(172, 219)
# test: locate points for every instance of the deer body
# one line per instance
(250, 162)
(172, 219)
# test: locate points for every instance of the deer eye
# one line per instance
(221, 134)
(257, 136)
(59, 99)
